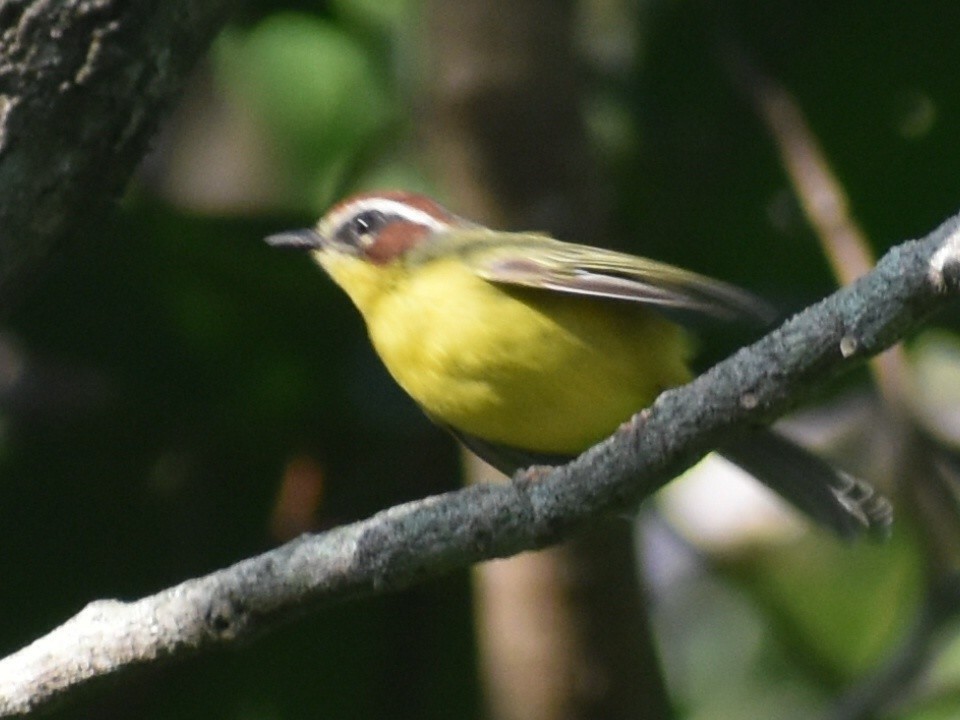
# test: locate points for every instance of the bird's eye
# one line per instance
(361, 229)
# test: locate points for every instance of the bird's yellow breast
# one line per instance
(534, 369)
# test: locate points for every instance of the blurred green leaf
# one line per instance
(384, 15)
(318, 93)
(840, 606)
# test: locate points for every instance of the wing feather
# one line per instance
(538, 261)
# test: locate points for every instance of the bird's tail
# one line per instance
(831, 497)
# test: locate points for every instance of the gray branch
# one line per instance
(83, 84)
(408, 543)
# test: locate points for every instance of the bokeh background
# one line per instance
(177, 396)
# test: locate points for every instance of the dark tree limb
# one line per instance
(405, 544)
(83, 85)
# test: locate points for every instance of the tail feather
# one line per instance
(830, 497)
(833, 498)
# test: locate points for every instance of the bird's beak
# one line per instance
(306, 239)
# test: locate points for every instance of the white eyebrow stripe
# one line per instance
(387, 207)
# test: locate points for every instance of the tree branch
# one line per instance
(405, 544)
(82, 87)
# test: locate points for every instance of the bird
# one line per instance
(530, 349)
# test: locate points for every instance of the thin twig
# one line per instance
(821, 195)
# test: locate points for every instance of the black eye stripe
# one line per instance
(363, 224)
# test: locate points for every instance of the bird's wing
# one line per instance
(538, 261)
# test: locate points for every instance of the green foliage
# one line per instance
(316, 90)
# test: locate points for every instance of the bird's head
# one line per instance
(378, 228)
(362, 241)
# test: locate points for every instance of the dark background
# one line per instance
(177, 396)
